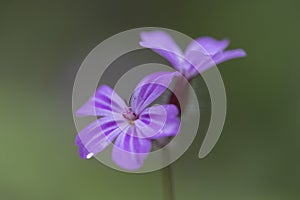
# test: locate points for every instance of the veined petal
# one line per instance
(83, 152)
(172, 124)
(151, 121)
(149, 89)
(130, 152)
(104, 102)
(98, 135)
(209, 44)
(163, 44)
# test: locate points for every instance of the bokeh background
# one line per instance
(42, 44)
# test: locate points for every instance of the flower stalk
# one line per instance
(168, 183)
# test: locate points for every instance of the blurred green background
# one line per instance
(42, 44)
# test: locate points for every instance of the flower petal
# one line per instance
(196, 62)
(228, 55)
(171, 125)
(149, 89)
(83, 152)
(103, 103)
(171, 128)
(200, 62)
(199, 54)
(155, 119)
(130, 152)
(150, 121)
(209, 44)
(163, 44)
(98, 135)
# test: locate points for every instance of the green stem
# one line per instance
(168, 183)
(180, 91)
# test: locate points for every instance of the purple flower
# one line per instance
(131, 128)
(200, 55)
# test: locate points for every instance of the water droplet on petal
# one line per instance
(89, 155)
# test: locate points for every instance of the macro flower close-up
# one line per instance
(132, 127)
(152, 100)
(200, 55)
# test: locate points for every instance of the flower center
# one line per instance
(130, 116)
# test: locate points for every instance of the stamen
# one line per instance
(130, 116)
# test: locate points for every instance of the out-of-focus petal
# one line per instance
(201, 62)
(163, 44)
(228, 55)
(149, 89)
(209, 44)
(98, 135)
(196, 62)
(103, 103)
(129, 152)
(198, 54)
